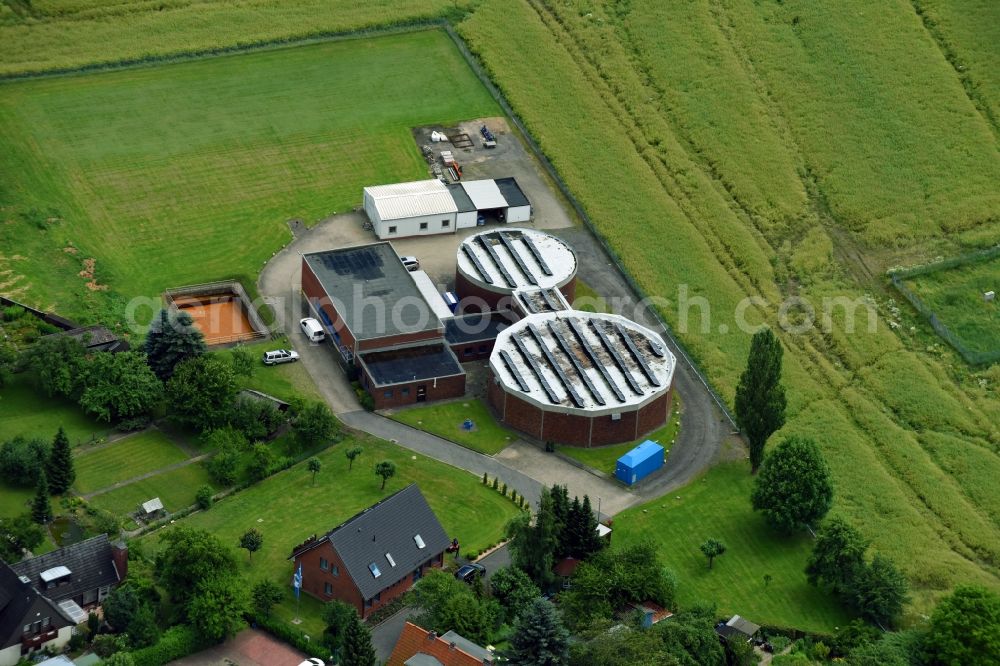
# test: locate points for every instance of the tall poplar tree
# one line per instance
(760, 396)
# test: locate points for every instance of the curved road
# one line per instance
(704, 425)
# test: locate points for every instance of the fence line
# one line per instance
(536, 149)
(972, 357)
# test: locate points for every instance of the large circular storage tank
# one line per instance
(492, 265)
(580, 378)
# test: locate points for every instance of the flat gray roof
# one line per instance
(511, 192)
(462, 200)
(372, 291)
(410, 364)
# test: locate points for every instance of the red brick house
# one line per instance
(375, 556)
(418, 647)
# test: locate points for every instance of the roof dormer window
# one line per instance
(419, 541)
(388, 557)
(374, 569)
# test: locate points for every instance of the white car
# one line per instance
(280, 356)
(312, 661)
(313, 330)
(411, 263)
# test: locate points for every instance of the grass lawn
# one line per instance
(287, 381)
(14, 500)
(25, 411)
(604, 458)
(126, 458)
(588, 300)
(446, 420)
(956, 296)
(287, 508)
(176, 488)
(718, 506)
(200, 164)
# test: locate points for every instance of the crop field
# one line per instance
(125, 458)
(955, 295)
(288, 507)
(718, 506)
(152, 177)
(791, 149)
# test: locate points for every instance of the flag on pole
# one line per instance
(297, 581)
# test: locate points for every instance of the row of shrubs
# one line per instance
(519, 500)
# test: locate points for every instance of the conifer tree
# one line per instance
(41, 508)
(760, 397)
(59, 466)
(357, 649)
(539, 638)
(170, 341)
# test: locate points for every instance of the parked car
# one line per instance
(312, 329)
(280, 356)
(411, 263)
(467, 573)
(313, 661)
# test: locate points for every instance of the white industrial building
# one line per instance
(431, 207)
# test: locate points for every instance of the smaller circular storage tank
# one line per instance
(492, 265)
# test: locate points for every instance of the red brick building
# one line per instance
(581, 378)
(375, 556)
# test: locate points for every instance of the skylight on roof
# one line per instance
(419, 541)
(392, 562)
(374, 569)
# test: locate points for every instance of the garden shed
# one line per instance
(639, 463)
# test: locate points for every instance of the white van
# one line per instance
(312, 329)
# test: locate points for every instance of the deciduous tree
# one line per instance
(385, 469)
(314, 466)
(533, 543)
(539, 638)
(965, 629)
(251, 541)
(512, 588)
(59, 465)
(879, 591)
(217, 607)
(261, 461)
(351, 454)
(119, 386)
(18, 535)
(201, 391)
(171, 340)
(242, 362)
(793, 488)
(188, 557)
(21, 460)
(57, 362)
(314, 425)
(264, 596)
(760, 396)
(711, 549)
(337, 616)
(837, 556)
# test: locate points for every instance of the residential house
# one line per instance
(418, 647)
(42, 598)
(376, 556)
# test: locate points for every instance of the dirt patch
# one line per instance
(87, 273)
(220, 320)
(69, 249)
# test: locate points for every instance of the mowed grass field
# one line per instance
(124, 459)
(790, 149)
(184, 173)
(287, 508)
(956, 295)
(487, 436)
(27, 412)
(717, 506)
(176, 489)
(286, 382)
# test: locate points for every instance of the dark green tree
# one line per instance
(8, 361)
(129, 609)
(21, 460)
(589, 542)
(256, 419)
(264, 596)
(385, 469)
(837, 558)
(760, 396)
(172, 339)
(188, 557)
(533, 543)
(879, 592)
(539, 638)
(224, 466)
(243, 362)
(691, 639)
(201, 392)
(881, 653)
(512, 588)
(357, 647)
(204, 497)
(314, 425)
(57, 362)
(119, 659)
(337, 616)
(119, 386)
(41, 507)
(965, 629)
(217, 607)
(251, 541)
(625, 646)
(351, 454)
(444, 603)
(18, 535)
(314, 466)
(711, 549)
(740, 653)
(561, 507)
(59, 465)
(261, 461)
(793, 488)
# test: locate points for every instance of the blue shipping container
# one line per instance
(640, 462)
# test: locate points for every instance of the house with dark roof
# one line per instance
(375, 556)
(737, 628)
(418, 647)
(42, 598)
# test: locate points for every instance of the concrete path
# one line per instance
(155, 472)
(385, 635)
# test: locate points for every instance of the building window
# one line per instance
(368, 603)
(378, 597)
(416, 575)
(419, 540)
(323, 564)
(327, 589)
(482, 349)
(45, 622)
(27, 628)
(334, 570)
(467, 351)
(392, 230)
(445, 224)
(387, 394)
(616, 416)
(388, 557)
(406, 391)
(423, 226)
(374, 569)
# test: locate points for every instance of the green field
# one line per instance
(955, 295)
(446, 421)
(200, 164)
(789, 149)
(605, 458)
(126, 458)
(27, 412)
(287, 508)
(718, 506)
(176, 489)
(286, 382)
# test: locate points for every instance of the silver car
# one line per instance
(280, 356)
